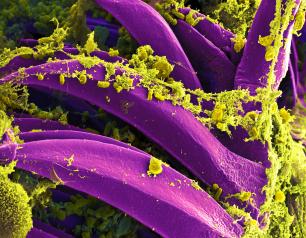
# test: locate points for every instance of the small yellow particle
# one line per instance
(195, 185)
(239, 42)
(172, 184)
(217, 191)
(159, 96)
(112, 52)
(83, 79)
(62, 79)
(215, 186)
(254, 132)
(280, 196)
(150, 95)
(103, 84)
(245, 196)
(40, 77)
(117, 87)
(155, 166)
(178, 14)
(36, 130)
(218, 113)
(69, 160)
(82, 177)
(218, 194)
(170, 19)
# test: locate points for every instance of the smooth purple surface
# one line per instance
(70, 134)
(135, 16)
(213, 67)
(115, 175)
(253, 68)
(16, 63)
(174, 128)
(28, 124)
(237, 145)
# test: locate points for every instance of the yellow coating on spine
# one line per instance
(239, 42)
(260, 126)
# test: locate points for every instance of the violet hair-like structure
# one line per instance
(121, 183)
(259, 46)
(161, 38)
(161, 118)
(190, 54)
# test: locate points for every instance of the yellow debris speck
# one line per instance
(239, 42)
(195, 185)
(103, 84)
(218, 113)
(83, 79)
(69, 160)
(280, 196)
(62, 79)
(155, 166)
(36, 130)
(40, 77)
(245, 196)
(112, 52)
